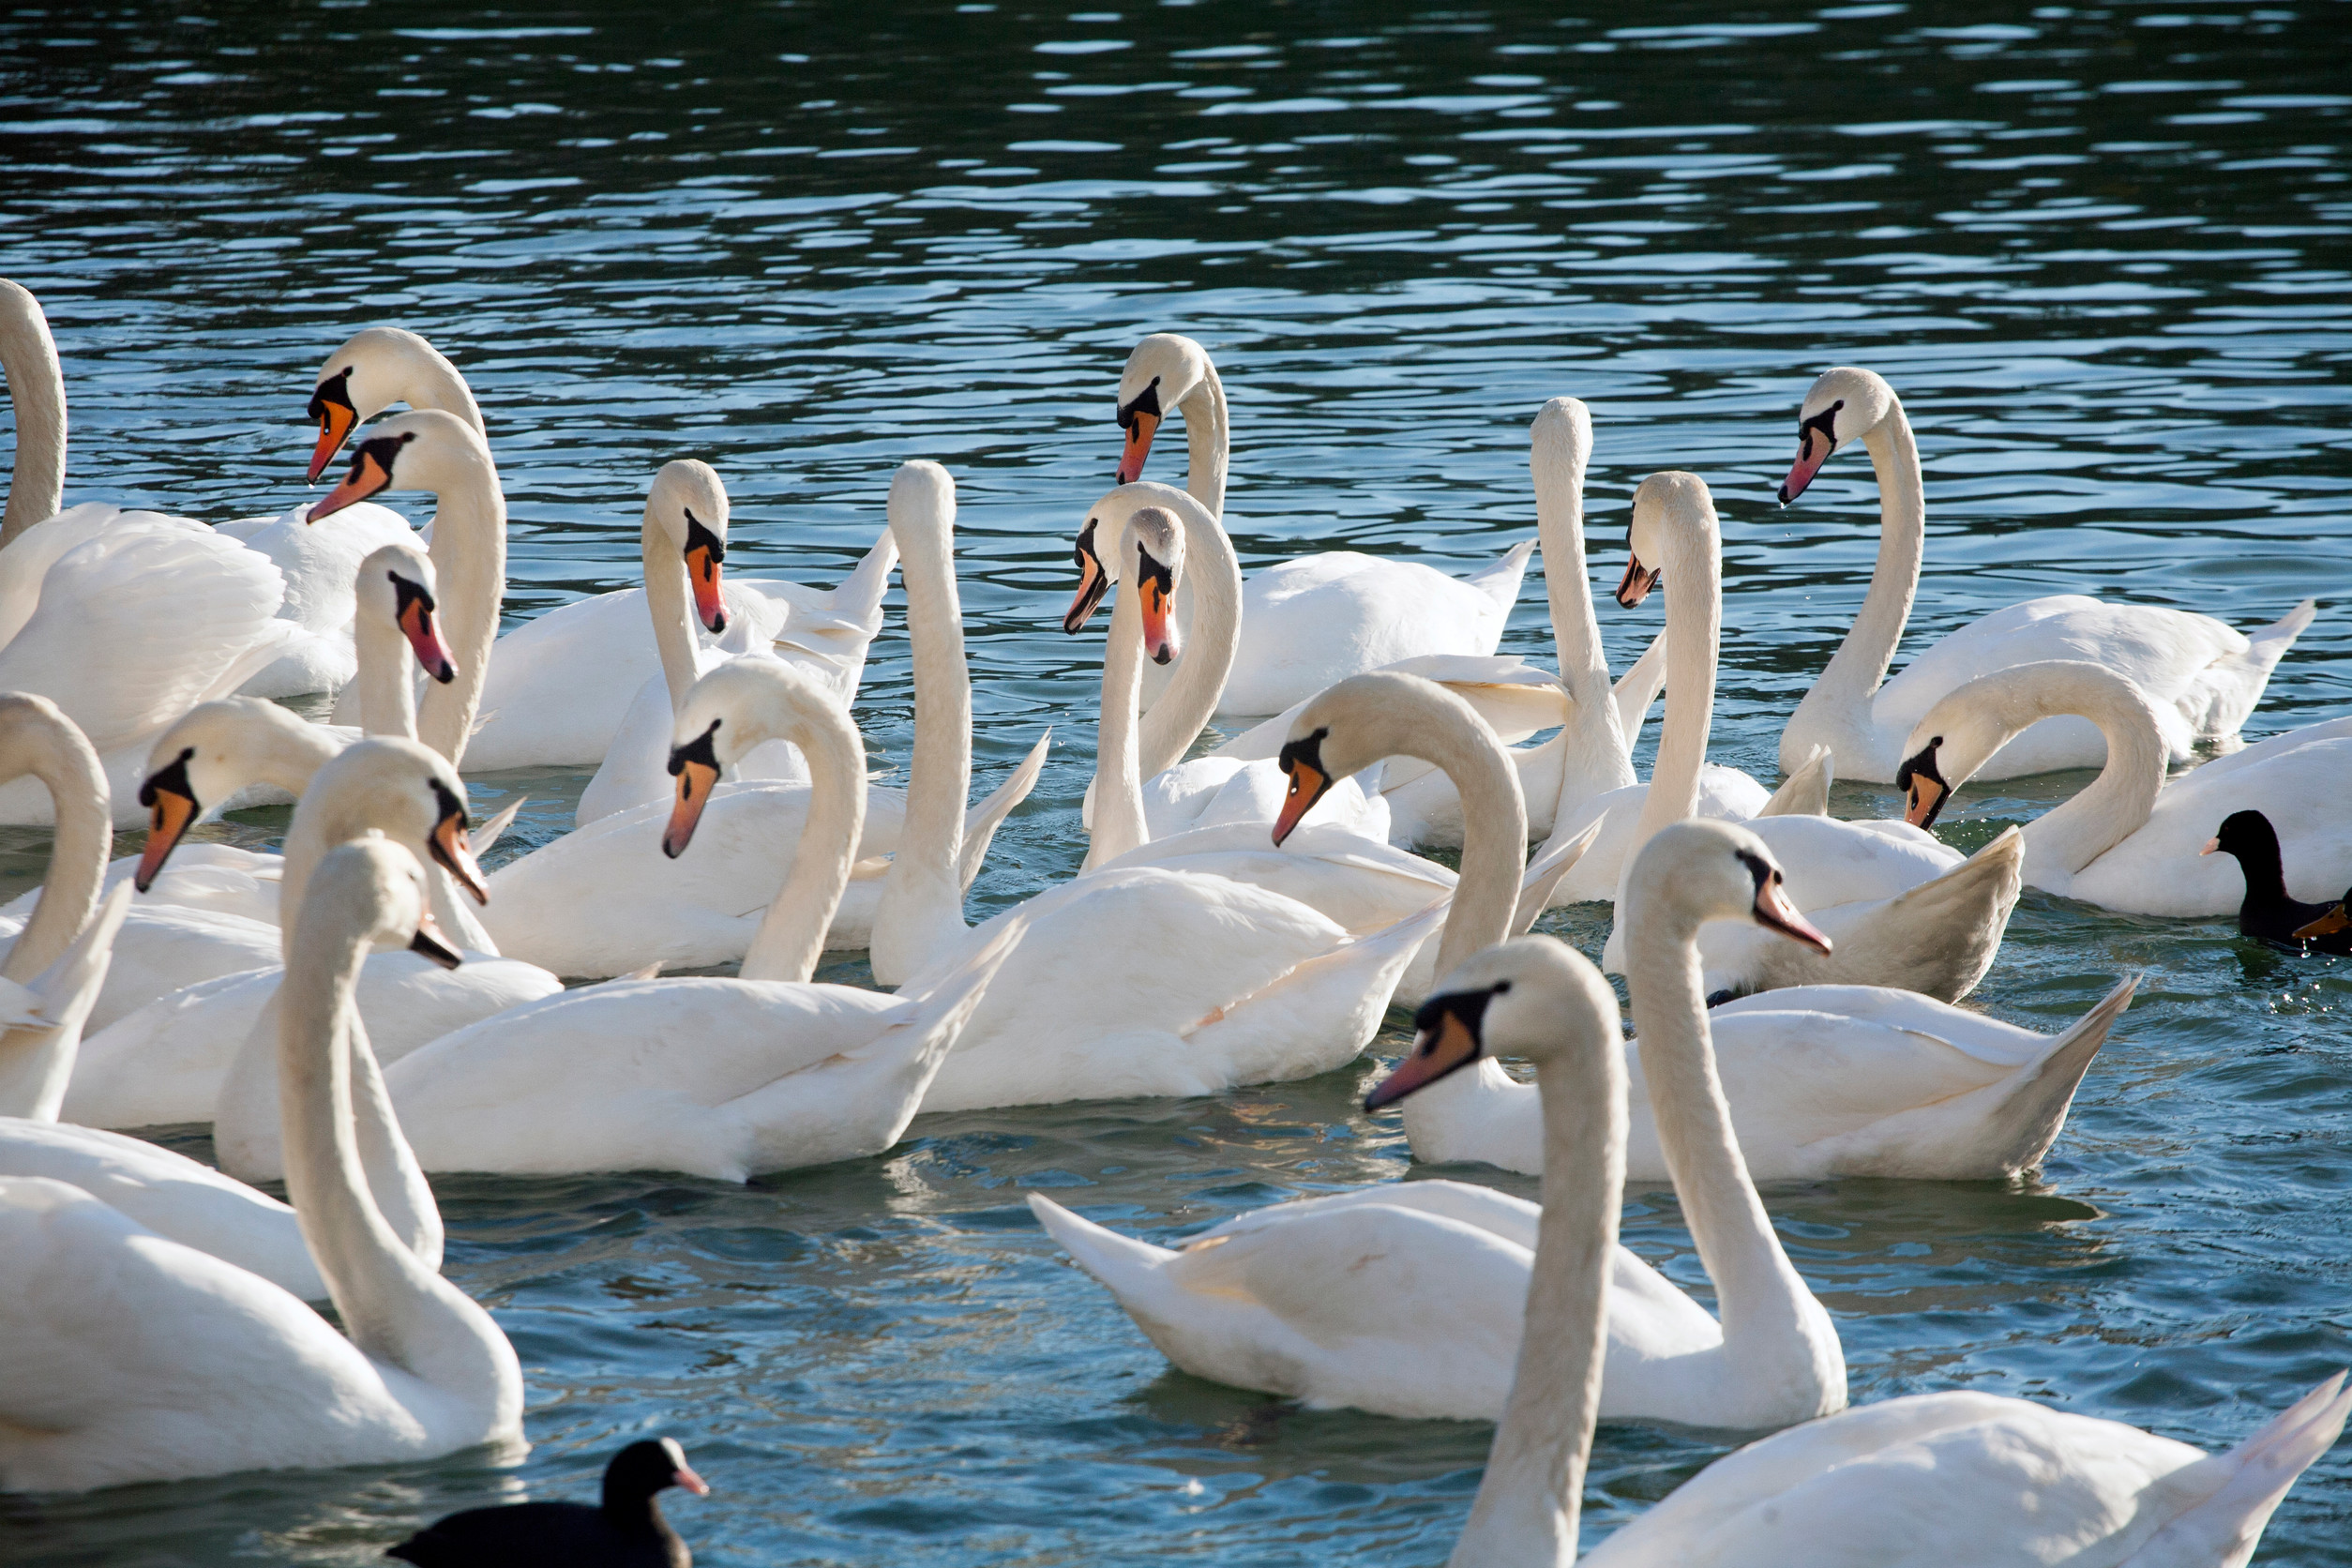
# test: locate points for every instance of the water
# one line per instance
(2102, 254)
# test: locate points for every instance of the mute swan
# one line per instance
(1314, 620)
(1955, 1480)
(1918, 916)
(175, 1059)
(133, 1358)
(725, 1079)
(560, 686)
(599, 901)
(1328, 1299)
(308, 649)
(2129, 840)
(2266, 913)
(2203, 677)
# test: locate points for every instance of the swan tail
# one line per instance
(1125, 1266)
(1317, 1016)
(2035, 1099)
(1966, 909)
(38, 1051)
(1638, 687)
(859, 596)
(982, 820)
(1805, 793)
(2222, 698)
(2229, 1497)
(944, 1005)
(1500, 581)
(497, 825)
(1544, 874)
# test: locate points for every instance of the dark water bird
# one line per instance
(626, 1531)
(2268, 913)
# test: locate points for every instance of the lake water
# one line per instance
(2101, 253)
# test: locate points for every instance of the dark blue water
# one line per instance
(2100, 251)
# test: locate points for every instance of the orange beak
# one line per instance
(1438, 1049)
(1927, 797)
(167, 820)
(1159, 626)
(336, 420)
(367, 477)
(423, 636)
(1773, 911)
(1307, 786)
(1141, 425)
(456, 856)
(1813, 450)
(430, 943)
(696, 780)
(1093, 582)
(703, 569)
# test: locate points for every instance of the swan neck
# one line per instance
(792, 935)
(1208, 440)
(2118, 803)
(669, 598)
(37, 391)
(1839, 700)
(1529, 1500)
(1118, 824)
(1694, 616)
(62, 758)
(434, 382)
(386, 683)
(468, 555)
(922, 903)
(1759, 1297)
(1212, 636)
(1597, 759)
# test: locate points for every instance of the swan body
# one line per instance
(320, 561)
(135, 1358)
(2131, 840)
(2202, 676)
(1310, 622)
(720, 1077)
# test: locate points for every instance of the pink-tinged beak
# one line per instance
(685, 1477)
(1159, 621)
(1141, 425)
(1813, 450)
(1774, 912)
(366, 477)
(424, 638)
(703, 570)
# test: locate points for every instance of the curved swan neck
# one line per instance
(394, 1307)
(1559, 448)
(792, 935)
(922, 904)
(2119, 802)
(385, 680)
(468, 556)
(37, 391)
(1693, 615)
(1757, 1291)
(669, 598)
(1530, 1499)
(44, 743)
(1838, 703)
(1118, 823)
(1208, 439)
(1212, 636)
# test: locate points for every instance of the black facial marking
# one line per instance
(1758, 869)
(703, 748)
(450, 805)
(1924, 765)
(171, 778)
(405, 594)
(1308, 749)
(383, 448)
(1154, 572)
(1146, 402)
(1824, 422)
(700, 537)
(334, 392)
(1085, 551)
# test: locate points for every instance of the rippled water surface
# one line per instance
(2101, 253)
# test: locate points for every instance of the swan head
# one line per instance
(396, 587)
(213, 751)
(1960, 734)
(740, 704)
(1666, 508)
(1844, 404)
(1563, 432)
(689, 504)
(379, 888)
(1162, 371)
(422, 449)
(359, 381)
(1353, 724)
(1532, 996)
(1701, 870)
(1151, 558)
(405, 791)
(1099, 538)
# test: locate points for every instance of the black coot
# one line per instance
(629, 1528)
(2269, 914)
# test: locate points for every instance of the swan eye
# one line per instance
(1502, 988)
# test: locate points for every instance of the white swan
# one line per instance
(133, 1358)
(1918, 916)
(2203, 677)
(599, 902)
(721, 1077)
(1328, 1299)
(1309, 622)
(1959, 1480)
(2129, 840)
(560, 688)
(177, 1058)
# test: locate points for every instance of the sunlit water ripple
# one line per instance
(2102, 254)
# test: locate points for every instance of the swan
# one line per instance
(2129, 840)
(177, 1058)
(1917, 916)
(720, 1077)
(134, 1358)
(2203, 676)
(561, 687)
(308, 650)
(1309, 622)
(1326, 1300)
(1957, 1480)
(599, 901)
